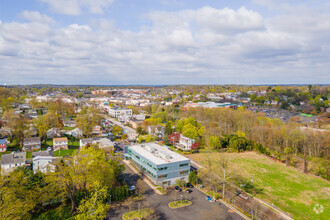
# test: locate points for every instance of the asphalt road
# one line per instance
(200, 209)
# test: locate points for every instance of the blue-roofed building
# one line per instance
(3, 145)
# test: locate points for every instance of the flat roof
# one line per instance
(157, 154)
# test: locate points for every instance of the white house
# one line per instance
(140, 117)
(104, 143)
(185, 143)
(75, 133)
(42, 161)
(9, 162)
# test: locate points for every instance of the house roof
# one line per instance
(43, 153)
(32, 139)
(3, 141)
(60, 139)
(19, 157)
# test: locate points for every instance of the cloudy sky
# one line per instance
(141, 42)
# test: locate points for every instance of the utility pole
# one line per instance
(181, 199)
(252, 214)
(139, 207)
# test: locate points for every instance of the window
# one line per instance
(184, 164)
(162, 168)
(184, 172)
(162, 176)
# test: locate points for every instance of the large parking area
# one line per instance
(200, 208)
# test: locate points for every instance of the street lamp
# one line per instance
(181, 199)
(110, 199)
(139, 207)
(252, 214)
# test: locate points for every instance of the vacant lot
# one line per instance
(285, 187)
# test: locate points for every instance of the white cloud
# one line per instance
(205, 45)
(75, 7)
(37, 17)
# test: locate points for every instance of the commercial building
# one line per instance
(161, 165)
(116, 112)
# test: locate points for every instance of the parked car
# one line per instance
(209, 198)
(131, 188)
(178, 188)
(188, 191)
(190, 185)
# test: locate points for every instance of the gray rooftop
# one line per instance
(43, 153)
(13, 158)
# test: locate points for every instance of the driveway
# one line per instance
(200, 209)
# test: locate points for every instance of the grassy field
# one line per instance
(285, 187)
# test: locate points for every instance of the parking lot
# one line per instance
(200, 209)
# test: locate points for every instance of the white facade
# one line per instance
(43, 164)
(116, 112)
(185, 143)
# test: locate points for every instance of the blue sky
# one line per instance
(164, 42)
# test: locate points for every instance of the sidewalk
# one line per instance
(152, 186)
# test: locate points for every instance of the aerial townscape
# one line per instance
(164, 110)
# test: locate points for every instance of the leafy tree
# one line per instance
(192, 178)
(190, 131)
(116, 131)
(195, 146)
(288, 151)
(214, 142)
(93, 206)
(169, 128)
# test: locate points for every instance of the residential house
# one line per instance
(77, 133)
(132, 136)
(3, 145)
(42, 161)
(103, 143)
(156, 130)
(9, 162)
(53, 132)
(135, 123)
(185, 143)
(60, 143)
(97, 130)
(30, 144)
(161, 165)
(124, 118)
(69, 123)
(139, 117)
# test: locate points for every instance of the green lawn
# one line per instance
(68, 128)
(285, 187)
(179, 204)
(143, 213)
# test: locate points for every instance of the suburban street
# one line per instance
(200, 209)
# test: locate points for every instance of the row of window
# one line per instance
(184, 164)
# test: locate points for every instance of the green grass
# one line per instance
(64, 152)
(275, 183)
(68, 128)
(161, 189)
(179, 204)
(144, 213)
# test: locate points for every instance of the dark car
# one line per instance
(178, 188)
(190, 185)
(188, 191)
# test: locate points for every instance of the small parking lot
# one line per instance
(200, 209)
